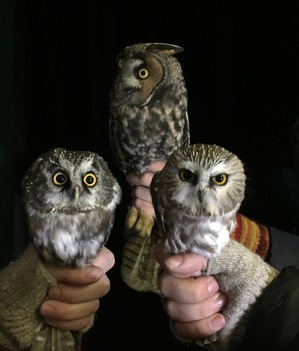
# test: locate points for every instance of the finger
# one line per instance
(144, 207)
(66, 316)
(74, 325)
(182, 265)
(76, 276)
(156, 166)
(188, 290)
(198, 329)
(141, 199)
(85, 275)
(57, 310)
(142, 193)
(79, 293)
(186, 265)
(105, 259)
(142, 179)
(146, 177)
(134, 179)
(187, 312)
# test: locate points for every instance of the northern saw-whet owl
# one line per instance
(70, 199)
(148, 113)
(196, 197)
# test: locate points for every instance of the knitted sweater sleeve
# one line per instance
(23, 288)
(242, 276)
(139, 268)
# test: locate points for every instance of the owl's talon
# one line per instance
(144, 225)
(132, 217)
(139, 221)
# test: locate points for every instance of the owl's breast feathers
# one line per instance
(200, 234)
(142, 136)
(70, 238)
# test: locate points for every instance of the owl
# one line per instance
(70, 199)
(148, 113)
(196, 197)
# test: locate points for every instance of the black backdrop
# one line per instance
(241, 70)
(240, 65)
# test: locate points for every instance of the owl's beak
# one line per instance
(200, 195)
(76, 194)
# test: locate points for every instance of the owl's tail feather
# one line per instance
(52, 339)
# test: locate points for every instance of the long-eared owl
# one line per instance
(148, 111)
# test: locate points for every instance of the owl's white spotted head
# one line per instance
(69, 181)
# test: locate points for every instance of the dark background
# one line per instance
(57, 61)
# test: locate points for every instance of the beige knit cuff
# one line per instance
(24, 286)
(242, 276)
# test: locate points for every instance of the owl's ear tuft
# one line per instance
(164, 49)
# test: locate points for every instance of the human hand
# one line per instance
(141, 197)
(192, 301)
(73, 301)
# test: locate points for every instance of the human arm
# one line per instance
(191, 300)
(248, 232)
(141, 197)
(73, 301)
(24, 287)
(270, 299)
(251, 234)
(208, 300)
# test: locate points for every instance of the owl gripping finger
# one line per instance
(139, 221)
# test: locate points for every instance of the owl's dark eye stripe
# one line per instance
(186, 175)
(143, 73)
(60, 178)
(90, 179)
(220, 179)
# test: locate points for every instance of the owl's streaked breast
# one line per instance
(148, 106)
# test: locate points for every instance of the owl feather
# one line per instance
(69, 199)
(148, 113)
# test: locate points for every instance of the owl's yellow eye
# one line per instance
(186, 175)
(60, 178)
(143, 73)
(220, 179)
(89, 179)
